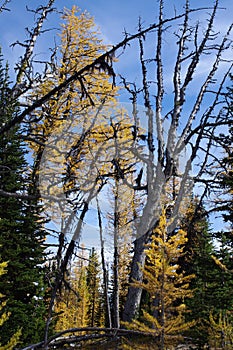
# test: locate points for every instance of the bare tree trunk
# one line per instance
(25, 63)
(134, 294)
(63, 268)
(105, 273)
(154, 186)
(169, 145)
(116, 306)
(116, 303)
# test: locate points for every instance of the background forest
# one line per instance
(116, 181)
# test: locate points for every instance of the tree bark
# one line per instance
(134, 294)
(116, 307)
(104, 269)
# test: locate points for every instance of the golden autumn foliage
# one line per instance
(93, 161)
(67, 124)
(73, 304)
(4, 317)
(80, 304)
(221, 331)
(80, 45)
(166, 286)
(81, 140)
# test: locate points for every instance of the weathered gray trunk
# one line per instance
(116, 306)
(105, 272)
(133, 299)
(106, 298)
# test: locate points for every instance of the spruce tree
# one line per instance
(22, 234)
(225, 170)
(211, 283)
(226, 182)
(95, 316)
(220, 330)
(227, 175)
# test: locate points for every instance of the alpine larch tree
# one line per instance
(166, 284)
(14, 340)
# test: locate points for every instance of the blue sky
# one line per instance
(112, 17)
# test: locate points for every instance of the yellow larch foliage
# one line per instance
(166, 286)
(80, 45)
(72, 305)
(67, 119)
(4, 317)
(219, 263)
(221, 331)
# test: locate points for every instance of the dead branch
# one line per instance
(3, 6)
(59, 339)
(24, 63)
(105, 57)
(17, 195)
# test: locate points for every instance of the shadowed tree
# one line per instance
(22, 233)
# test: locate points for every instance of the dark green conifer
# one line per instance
(200, 258)
(95, 316)
(22, 235)
(225, 175)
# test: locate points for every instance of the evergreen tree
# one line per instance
(22, 235)
(227, 182)
(211, 285)
(220, 330)
(95, 316)
(223, 292)
(227, 175)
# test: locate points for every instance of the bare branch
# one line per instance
(186, 130)
(57, 339)
(104, 58)
(177, 84)
(205, 119)
(160, 90)
(18, 195)
(199, 50)
(3, 6)
(24, 64)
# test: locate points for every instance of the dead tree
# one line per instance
(104, 61)
(188, 126)
(104, 270)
